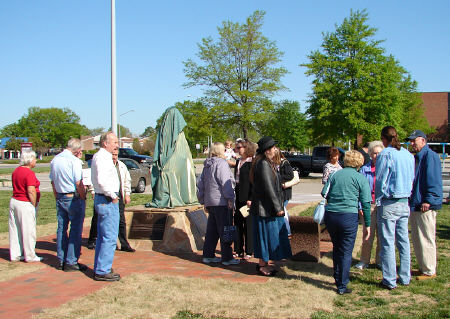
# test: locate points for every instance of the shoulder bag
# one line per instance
(293, 181)
(319, 212)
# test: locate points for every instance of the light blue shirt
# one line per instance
(394, 174)
(65, 172)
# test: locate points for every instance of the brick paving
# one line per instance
(23, 296)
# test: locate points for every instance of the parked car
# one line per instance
(306, 164)
(130, 153)
(140, 174)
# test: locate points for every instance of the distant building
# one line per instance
(436, 110)
(7, 154)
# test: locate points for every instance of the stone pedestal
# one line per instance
(180, 229)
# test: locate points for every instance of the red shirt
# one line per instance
(22, 177)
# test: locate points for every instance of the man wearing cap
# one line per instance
(426, 198)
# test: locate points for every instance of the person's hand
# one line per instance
(115, 200)
(280, 213)
(249, 203)
(425, 207)
(127, 199)
(93, 195)
(360, 212)
(366, 232)
(230, 204)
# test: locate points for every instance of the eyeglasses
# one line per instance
(239, 147)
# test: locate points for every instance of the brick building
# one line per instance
(436, 110)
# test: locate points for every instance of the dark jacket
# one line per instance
(244, 188)
(287, 174)
(427, 186)
(266, 192)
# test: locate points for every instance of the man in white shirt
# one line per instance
(124, 198)
(106, 186)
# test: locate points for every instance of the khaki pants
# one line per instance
(423, 236)
(366, 248)
(22, 230)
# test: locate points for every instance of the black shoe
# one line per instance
(108, 277)
(344, 291)
(384, 286)
(90, 245)
(60, 266)
(74, 267)
(128, 249)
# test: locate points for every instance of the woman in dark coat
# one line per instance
(246, 150)
(270, 234)
(286, 174)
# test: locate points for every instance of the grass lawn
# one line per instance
(9, 170)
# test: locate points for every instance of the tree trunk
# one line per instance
(244, 131)
(355, 145)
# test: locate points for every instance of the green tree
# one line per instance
(96, 131)
(240, 71)
(357, 88)
(288, 126)
(149, 131)
(38, 145)
(53, 126)
(14, 144)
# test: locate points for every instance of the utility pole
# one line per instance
(113, 69)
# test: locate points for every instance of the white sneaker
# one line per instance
(232, 261)
(35, 259)
(211, 260)
(361, 265)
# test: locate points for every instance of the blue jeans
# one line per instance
(393, 230)
(107, 231)
(342, 228)
(286, 217)
(69, 209)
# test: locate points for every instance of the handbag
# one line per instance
(293, 181)
(229, 231)
(319, 212)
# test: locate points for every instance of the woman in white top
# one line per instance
(332, 165)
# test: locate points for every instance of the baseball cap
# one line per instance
(417, 133)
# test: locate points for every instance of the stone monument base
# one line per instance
(179, 229)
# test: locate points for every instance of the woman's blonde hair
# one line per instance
(353, 159)
(217, 150)
(374, 144)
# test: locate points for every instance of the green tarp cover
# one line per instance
(173, 171)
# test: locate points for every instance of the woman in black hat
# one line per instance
(271, 240)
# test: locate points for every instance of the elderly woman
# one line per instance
(343, 191)
(246, 151)
(215, 190)
(332, 165)
(22, 210)
(270, 234)
(368, 171)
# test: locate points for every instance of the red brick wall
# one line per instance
(436, 109)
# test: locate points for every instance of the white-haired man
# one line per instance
(68, 189)
(425, 200)
(106, 186)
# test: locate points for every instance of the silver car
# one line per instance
(140, 174)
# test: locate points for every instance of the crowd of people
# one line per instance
(247, 208)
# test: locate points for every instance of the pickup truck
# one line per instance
(129, 153)
(306, 164)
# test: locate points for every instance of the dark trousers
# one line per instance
(219, 216)
(122, 225)
(245, 231)
(342, 228)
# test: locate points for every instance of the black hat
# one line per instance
(265, 143)
(417, 133)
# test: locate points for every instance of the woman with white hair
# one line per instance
(368, 171)
(344, 190)
(22, 210)
(215, 190)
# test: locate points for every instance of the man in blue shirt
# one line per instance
(68, 189)
(426, 198)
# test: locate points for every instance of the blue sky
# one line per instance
(57, 53)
